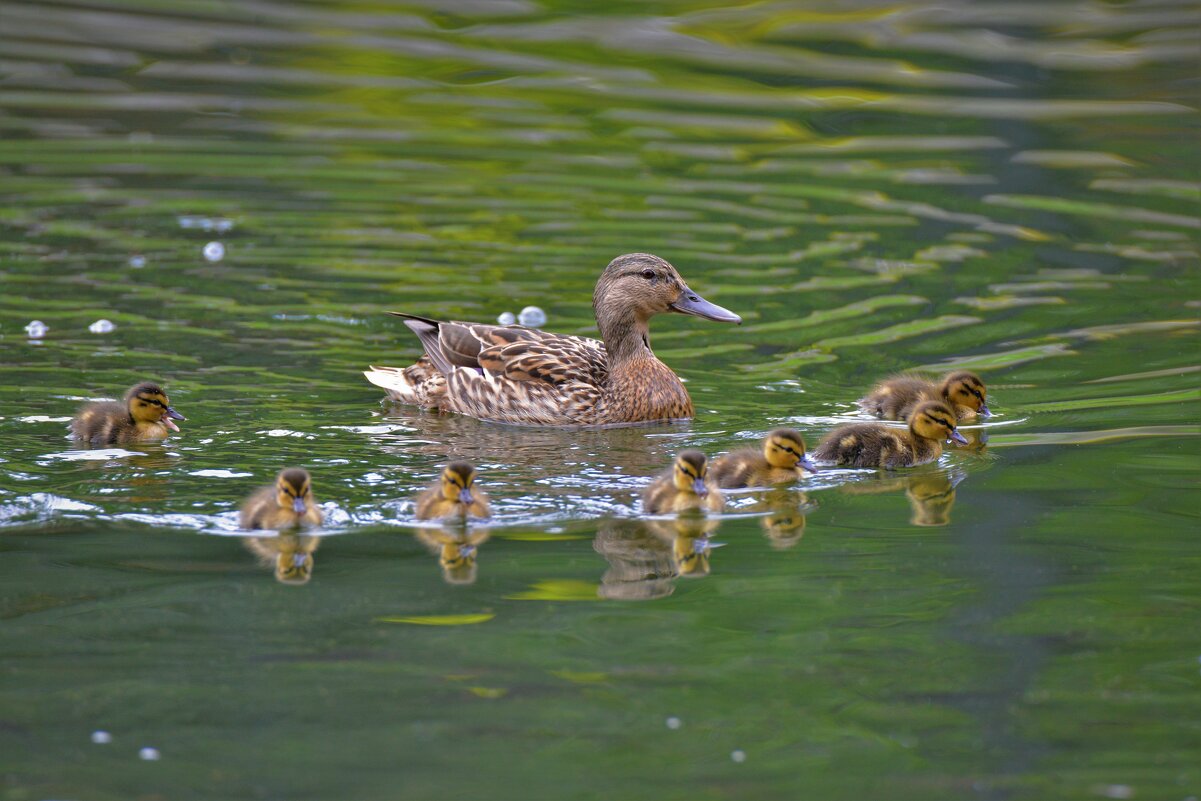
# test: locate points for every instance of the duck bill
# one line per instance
(465, 497)
(298, 506)
(698, 486)
(984, 412)
(807, 464)
(169, 417)
(691, 303)
(955, 435)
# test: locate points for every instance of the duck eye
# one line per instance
(648, 274)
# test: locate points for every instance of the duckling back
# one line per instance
(105, 423)
(746, 467)
(867, 445)
(896, 397)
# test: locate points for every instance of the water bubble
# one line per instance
(532, 317)
(674, 723)
(102, 326)
(214, 251)
(738, 755)
(101, 737)
(137, 262)
(37, 329)
(149, 754)
(506, 318)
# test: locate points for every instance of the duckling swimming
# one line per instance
(285, 504)
(143, 415)
(896, 398)
(877, 445)
(781, 460)
(683, 487)
(452, 495)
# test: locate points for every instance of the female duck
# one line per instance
(781, 460)
(896, 398)
(453, 495)
(144, 415)
(682, 488)
(510, 374)
(877, 445)
(285, 504)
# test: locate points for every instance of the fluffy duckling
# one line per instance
(896, 398)
(452, 495)
(285, 504)
(781, 460)
(682, 488)
(143, 415)
(877, 445)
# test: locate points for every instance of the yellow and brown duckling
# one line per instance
(896, 398)
(285, 504)
(143, 415)
(877, 445)
(512, 374)
(683, 487)
(781, 460)
(453, 495)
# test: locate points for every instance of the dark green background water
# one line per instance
(874, 187)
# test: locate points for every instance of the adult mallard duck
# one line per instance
(511, 374)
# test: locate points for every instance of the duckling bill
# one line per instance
(144, 414)
(453, 495)
(877, 445)
(782, 459)
(285, 504)
(683, 487)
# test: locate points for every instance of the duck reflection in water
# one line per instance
(930, 495)
(646, 556)
(288, 556)
(456, 550)
(784, 523)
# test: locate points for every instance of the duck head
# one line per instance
(784, 449)
(964, 388)
(457, 479)
(147, 403)
(935, 420)
(293, 490)
(688, 473)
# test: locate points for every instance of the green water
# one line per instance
(1010, 187)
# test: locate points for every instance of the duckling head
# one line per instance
(964, 388)
(457, 479)
(641, 285)
(147, 403)
(293, 490)
(293, 567)
(934, 420)
(688, 473)
(784, 449)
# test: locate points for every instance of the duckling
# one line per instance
(896, 398)
(143, 415)
(781, 460)
(289, 556)
(285, 504)
(877, 445)
(682, 488)
(452, 495)
(456, 552)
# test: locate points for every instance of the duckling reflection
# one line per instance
(288, 556)
(784, 523)
(930, 495)
(688, 536)
(456, 551)
(640, 567)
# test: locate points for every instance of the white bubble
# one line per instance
(137, 262)
(738, 755)
(532, 317)
(214, 251)
(101, 737)
(674, 723)
(37, 329)
(149, 754)
(506, 318)
(102, 326)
